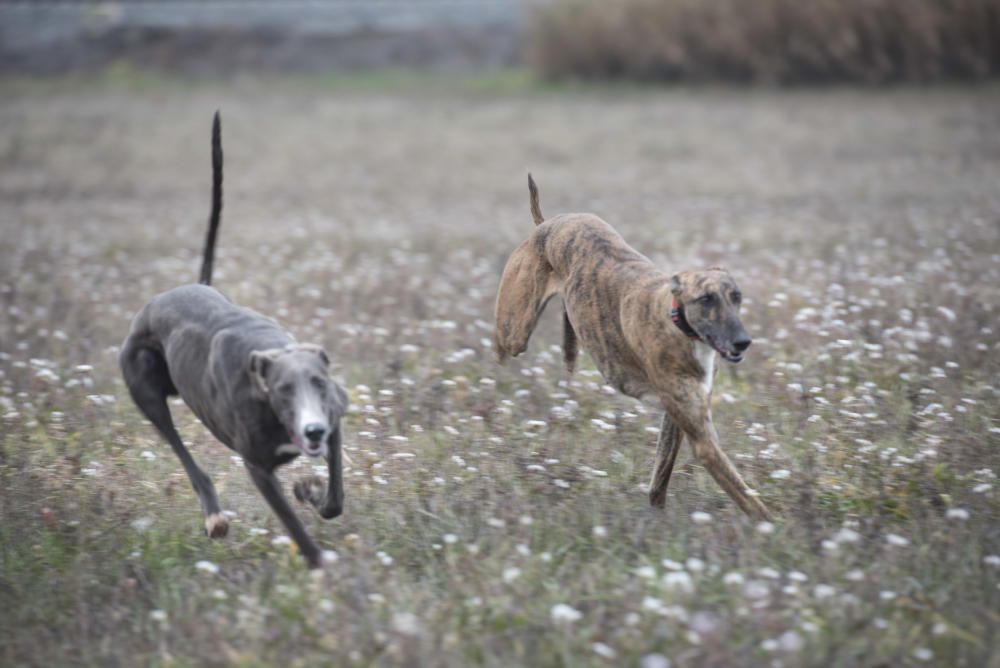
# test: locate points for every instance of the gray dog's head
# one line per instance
(710, 300)
(297, 383)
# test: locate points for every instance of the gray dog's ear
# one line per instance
(313, 348)
(341, 399)
(260, 361)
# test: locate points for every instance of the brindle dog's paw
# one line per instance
(310, 489)
(216, 525)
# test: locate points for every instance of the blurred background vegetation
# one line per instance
(782, 42)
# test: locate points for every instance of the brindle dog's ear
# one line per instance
(259, 362)
(676, 284)
(313, 348)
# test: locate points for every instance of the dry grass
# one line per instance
(863, 228)
(768, 41)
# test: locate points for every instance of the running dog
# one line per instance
(258, 391)
(647, 332)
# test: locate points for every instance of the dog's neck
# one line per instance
(677, 315)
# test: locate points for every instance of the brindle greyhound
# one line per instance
(647, 332)
(256, 389)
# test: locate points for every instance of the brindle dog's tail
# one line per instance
(570, 345)
(536, 211)
(213, 219)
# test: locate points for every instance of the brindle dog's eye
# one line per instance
(737, 297)
(706, 299)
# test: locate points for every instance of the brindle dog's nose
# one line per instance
(315, 432)
(742, 343)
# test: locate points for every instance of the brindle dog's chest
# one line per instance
(605, 344)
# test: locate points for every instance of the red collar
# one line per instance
(677, 315)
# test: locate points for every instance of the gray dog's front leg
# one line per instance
(330, 503)
(269, 486)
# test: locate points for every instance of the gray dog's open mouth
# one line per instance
(307, 447)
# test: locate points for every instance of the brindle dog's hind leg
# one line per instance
(524, 289)
(570, 346)
(668, 444)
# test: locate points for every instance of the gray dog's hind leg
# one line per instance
(668, 444)
(149, 382)
(268, 484)
(310, 489)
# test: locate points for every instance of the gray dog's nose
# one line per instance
(315, 432)
(742, 344)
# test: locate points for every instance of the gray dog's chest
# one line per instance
(207, 341)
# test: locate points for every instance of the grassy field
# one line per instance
(497, 515)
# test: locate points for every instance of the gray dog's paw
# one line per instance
(216, 525)
(310, 489)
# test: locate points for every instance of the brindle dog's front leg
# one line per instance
(269, 486)
(668, 444)
(330, 503)
(687, 404)
(711, 456)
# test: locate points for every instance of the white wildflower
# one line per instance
(207, 567)
(606, 651)
(654, 661)
(647, 572)
(790, 641)
(565, 614)
(822, 591)
(679, 581)
(406, 623)
(733, 578)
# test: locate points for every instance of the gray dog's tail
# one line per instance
(536, 211)
(213, 219)
(570, 345)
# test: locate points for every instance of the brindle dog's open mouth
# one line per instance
(728, 355)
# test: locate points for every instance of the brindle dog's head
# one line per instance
(710, 300)
(296, 382)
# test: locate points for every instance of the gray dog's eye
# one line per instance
(286, 389)
(318, 383)
(737, 297)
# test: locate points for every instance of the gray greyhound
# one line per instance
(258, 391)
